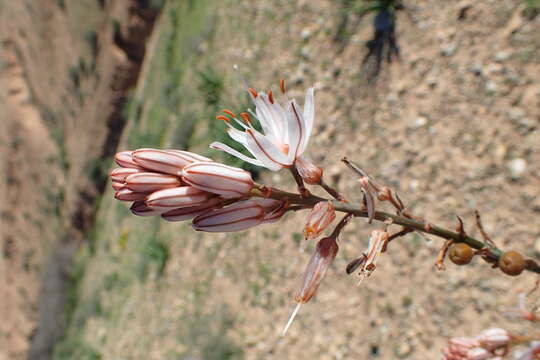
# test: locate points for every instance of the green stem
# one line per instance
(357, 210)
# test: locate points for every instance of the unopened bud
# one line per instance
(165, 161)
(128, 195)
(227, 181)
(236, 217)
(118, 185)
(478, 354)
(177, 197)
(188, 213)
(149, 182)
(310, 173)
(124, 159)
(494, 338)
(320, 217)
(139, 208)
(120, 174)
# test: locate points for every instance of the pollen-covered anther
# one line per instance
(253, 92)
(282, 85)
(271, 97)
(228, 112)
(224, 118)
(245, 116)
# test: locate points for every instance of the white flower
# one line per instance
(285, 135)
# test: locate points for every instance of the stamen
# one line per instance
(245, 117)
(253, 92)
(282, 86)
(229, 112)
(271, 97)
(224, 118)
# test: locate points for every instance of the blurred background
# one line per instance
(439, 99)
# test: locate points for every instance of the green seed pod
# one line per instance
(512, 263)
(461, 254)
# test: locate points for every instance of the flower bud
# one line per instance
(320, 217)
(461, 254)
(493, 338)
(227, 181)
(165, 161)
(118, 185)
(188, 213)
(512, 263)
(124, 159)
(325, 253)
(310, 173)
(149, 182)
(139, 208)
(128, 195)
(120, 174)
(236, 217)
(460, 345)
(478, 354)
(177, 197)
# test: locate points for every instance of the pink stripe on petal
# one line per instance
(236, 217)
(227, 181)
(139, 208)
(124, 159)
(120, 174)
(118, 185)
(128, 195)
(149, 182)
(176, 197)
(188, 213)
(164, 161)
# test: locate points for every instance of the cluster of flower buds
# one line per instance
(490, 344)
(180, 185)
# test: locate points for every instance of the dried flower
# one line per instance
(377, 240)
(227, 181)
(310, 173)
(320, 217)
(286, 131)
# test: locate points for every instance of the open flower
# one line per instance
(285, 135)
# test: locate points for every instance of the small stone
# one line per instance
(420, 121)
(501, 56)
(450, 49)
(491, 87)
(476, 69)
(517, 167)
(305, 34)
(403, 349)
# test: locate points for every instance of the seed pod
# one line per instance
(461, 254)
(310, 173)
(512, 263)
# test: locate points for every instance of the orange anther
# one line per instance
(271, 97)
(245, 117)
(282, 85)
(253, 92)
(228, 112)
(224, 118)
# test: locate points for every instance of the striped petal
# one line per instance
(188, 213)
(236, 217)
(120, 174)
(128, 195)
(266, 151)
(177, 197)
(295, 124)
(227, 181)
(165, 161)
(229, 150)
(139, 208)
(309, 116)
(124, 159)
(149, 182)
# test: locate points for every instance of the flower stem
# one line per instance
(417, 225)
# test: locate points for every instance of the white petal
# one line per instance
(265, 151)
(296, 130)
(177, 197)
(309, 116)
(220, 146)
